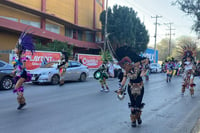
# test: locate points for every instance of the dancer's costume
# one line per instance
(188, 76)
(24, 43)
(170, 67)
(146, 69)
(126, 57)
(176, 68)
(189, 68)
(62, 67)
(102, 75)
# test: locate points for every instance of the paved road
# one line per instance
(80, 108)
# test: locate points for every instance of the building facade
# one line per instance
(73, 21)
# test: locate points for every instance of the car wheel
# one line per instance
(55, 80)
(7, 83)
(83, 77)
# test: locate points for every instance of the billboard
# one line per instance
(91, 61)
(35, 60)
(149, 53)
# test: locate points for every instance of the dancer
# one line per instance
(189, 70)
(131, 63)
(102, 75)
(24, 43)
(62, 67)
(169, 67)
(146, 68)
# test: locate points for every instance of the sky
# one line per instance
(147, 9)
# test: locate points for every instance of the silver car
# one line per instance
(155, 67)
(6, 80)
(50, 74)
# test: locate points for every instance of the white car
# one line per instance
(50, 74)
(116, 68)
(155, 67)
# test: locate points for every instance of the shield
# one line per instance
(97, 74)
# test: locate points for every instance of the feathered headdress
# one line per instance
(170, 58)
(126, 54)
(25, 42)
(187, 50)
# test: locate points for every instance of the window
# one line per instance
(80, 35)
(98, 38)
(53, 28)
(31, 23)
(69, 32)
(5, 51)
(9, 18)
(89, 36)
(75, 64)
(2, 64)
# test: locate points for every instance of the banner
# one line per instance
(151, 54)
(91, 61)
(35, 60)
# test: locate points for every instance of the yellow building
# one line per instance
(74, 21)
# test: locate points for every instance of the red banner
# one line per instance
(35, 60)
(92, 61)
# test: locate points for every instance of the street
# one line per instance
(79, 107)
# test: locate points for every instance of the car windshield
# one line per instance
(50, 65)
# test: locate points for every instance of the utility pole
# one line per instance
(170, 37)
(156, 24)
(105, 29)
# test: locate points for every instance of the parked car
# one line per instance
(50, 74)
(6, 80)
(155, 67)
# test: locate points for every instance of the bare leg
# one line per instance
(192, 86)
(19, 83)
(20, 97)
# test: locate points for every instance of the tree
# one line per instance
(56, 45)
(125, 28)
(162, 47)
(191, 7)
(106, 56)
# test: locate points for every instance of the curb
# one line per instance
(196, 128)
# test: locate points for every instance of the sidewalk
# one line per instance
(196, 128)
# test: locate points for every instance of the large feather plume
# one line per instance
(25, 41)
(187, 50)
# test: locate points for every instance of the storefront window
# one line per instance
(80, 35)
(31, 23)
(69, 32)
(53, 28)
(89, 36)
(9, 18)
